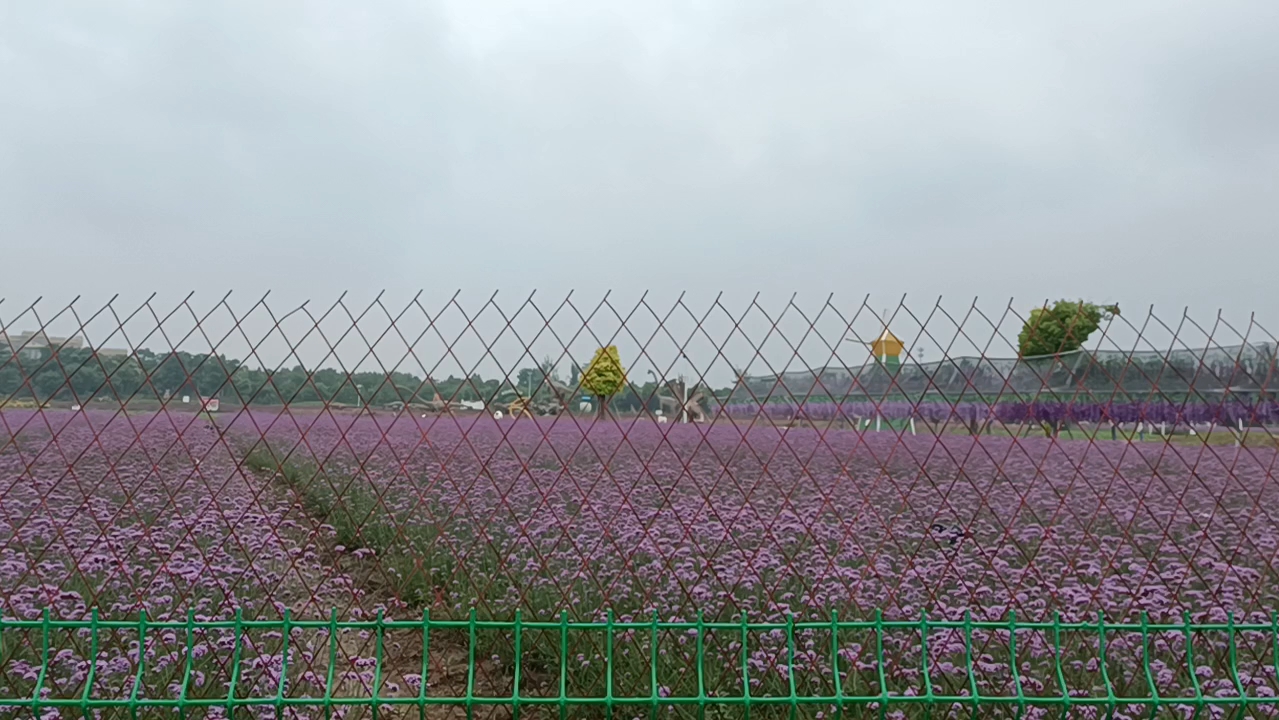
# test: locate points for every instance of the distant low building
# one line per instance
(1245, 370)
(35, 345)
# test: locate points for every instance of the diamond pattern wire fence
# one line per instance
(473, 508)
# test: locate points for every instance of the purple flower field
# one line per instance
(1038, 411)
(679, 518)
(147, 514)
(311, 512)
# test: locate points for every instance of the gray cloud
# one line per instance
(989, 148)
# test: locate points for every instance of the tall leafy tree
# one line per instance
(1061, 328)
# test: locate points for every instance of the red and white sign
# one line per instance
(211, 405)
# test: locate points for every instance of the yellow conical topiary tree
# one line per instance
(604, 377)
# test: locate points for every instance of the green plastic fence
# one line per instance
(565, 702)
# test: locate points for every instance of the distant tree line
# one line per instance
(77, 375)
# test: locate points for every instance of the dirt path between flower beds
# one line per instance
(402, 649)
(448, 664)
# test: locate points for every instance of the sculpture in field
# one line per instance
(437, 406)
(432, 407)
(525, 407)
(681, 404)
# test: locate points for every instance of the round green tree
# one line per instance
(604, 377)
(1064, 327)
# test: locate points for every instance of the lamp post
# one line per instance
(653, 394)
(683, 400)
(683, 384)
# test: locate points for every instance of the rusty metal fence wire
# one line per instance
(390, 509)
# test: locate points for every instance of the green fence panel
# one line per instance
(564, 701)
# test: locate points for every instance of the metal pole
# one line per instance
(654, 394)
(683, 405)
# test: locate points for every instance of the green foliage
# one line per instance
(547, 367)
(528, 380)
(76, 375)
(1062, 328)
(605, 376)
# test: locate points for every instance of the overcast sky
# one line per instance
(1121, 152)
